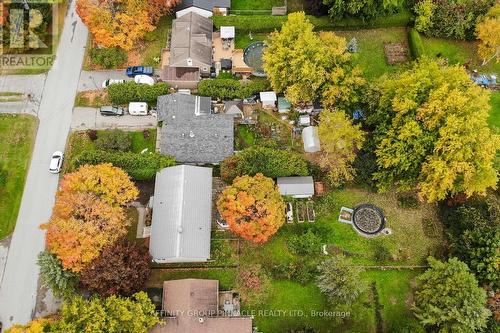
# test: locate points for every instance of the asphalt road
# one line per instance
(19, 284)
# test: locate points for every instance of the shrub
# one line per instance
(268, 161)
(123, 93)
(416, 46)
(450, 18)
(253, 284)
(305, 244)
(4, 174)
(108, 57)
(92, 134)
(113, 140)
(408, 201)
(62, 282)
(230, 89)
(381, 253)
(138, 166)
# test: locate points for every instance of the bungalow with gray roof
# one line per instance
(191, 133)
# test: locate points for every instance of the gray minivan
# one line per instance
(111, 111)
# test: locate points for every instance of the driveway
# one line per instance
(90, 118)
(26, 84)
(18, 287)
(93, 80)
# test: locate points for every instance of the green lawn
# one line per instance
(458, 52)
(155, 42)
(409, 244)
(255, 4)
(17, 134)
(245, 136)
(243, 39)
(494, 119)
(370, 56)
(394, 289)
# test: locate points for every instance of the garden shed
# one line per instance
(311, 139)
(283, 105)
(268, 99)
(296, 187)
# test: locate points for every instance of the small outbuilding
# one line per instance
(311, 139)
(284, 105)
(227, 32)
(234, 108)
(268, 99)
(305, 120)
(296, 187)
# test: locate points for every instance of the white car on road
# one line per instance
(109, 82)
(144, 79)
(56, 162)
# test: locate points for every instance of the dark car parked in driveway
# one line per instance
(112, 111)
(139, 70)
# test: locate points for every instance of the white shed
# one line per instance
(311, 139)
(268, 99)
(296, 187)
(305, 120)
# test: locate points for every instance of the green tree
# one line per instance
(361, 8)
(62, 282)
(432, 132)
(304, 64)
(448, 298)
(340, 280)
(107, 315)
(270, 162)
(450, 18)
(340, 140)
(114, 139)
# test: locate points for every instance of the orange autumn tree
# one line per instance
(120, 23)
(252, 207)
(88, 214)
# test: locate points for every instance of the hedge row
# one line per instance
(416, 45)
(229, 88)
(124, 93)
(267, 23)
(138, 166)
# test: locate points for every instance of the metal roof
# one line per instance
(296, 186)
(182, 213)
(227, 32)
(181, 106)
(311, 139)
(268, 96)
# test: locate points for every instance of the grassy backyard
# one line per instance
(494, 119)
(17, 134)
(370, 56)
(255, 4)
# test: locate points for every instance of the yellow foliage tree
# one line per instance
(488, 32)
(35, 326)
(340, 140)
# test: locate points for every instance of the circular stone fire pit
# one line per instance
(368, 219)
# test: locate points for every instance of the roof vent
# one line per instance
(179, 229)
(200, 320)
(191, 134)
(189, 61)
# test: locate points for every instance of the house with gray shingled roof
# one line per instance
(191, 133)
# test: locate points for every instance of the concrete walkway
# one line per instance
(90, 118)
(18, 289)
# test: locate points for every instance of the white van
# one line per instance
(138, 108)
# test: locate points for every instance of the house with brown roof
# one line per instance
(197, 306)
